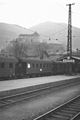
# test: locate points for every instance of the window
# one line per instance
(28, 65)
(2, 65)
(33, 65)
(40, 69)
(43, 65)
(37, 65)
(20, 64)
(10, 65)
(40, 65)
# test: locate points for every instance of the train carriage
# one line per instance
(33, 68)
(60, 67)
(7, 67)
(11, 68)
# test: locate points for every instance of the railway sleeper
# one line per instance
(72, 109)
(67, 111)
(75, 107)
(52, 119)
(8, 101)
(78, 101)
(65, 114)
(59, 116)
(76, 104)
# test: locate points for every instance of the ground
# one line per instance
(30, 109)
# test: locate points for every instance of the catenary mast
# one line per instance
(69, 38)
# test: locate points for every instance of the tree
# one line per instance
(18, 49)
(42, 50)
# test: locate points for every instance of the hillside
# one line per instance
(58, 32)
(9, 32)
(55, 33)
(33, 43)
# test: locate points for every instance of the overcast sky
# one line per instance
(27, 13)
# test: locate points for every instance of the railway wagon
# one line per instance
(60, 67)
(7, 67)
(76, 67)
(33, 68)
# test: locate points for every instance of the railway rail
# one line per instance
(4, 101)
(8, 100)
(67, 111)
(23, 96)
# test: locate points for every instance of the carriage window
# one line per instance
(10, 65)
(37, 65)
(2, 65)
(44, 65)
(40, 69)
(40, 65)
(28, 65)
(33, 65)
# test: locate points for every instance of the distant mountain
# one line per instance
(57, 32)
(9, 32)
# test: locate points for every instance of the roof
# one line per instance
(77, 58)
(35, 60)
(66, 57)
(7, 59)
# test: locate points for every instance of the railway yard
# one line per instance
(42, 98)
(44, 85)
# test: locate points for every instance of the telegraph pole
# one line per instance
(69, 38)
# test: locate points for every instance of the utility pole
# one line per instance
(69, 38)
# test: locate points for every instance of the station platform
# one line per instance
(22, 83)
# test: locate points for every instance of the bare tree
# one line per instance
(18, 49)
(42, 50)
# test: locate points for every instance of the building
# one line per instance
(29, 37)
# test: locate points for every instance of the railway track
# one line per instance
(8, 100)
(67, 111)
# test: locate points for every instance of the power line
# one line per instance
(58, 32)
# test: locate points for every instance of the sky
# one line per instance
(28, 13)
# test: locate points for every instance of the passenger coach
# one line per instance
(33, 68)
(12, 68)
(7, 67)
